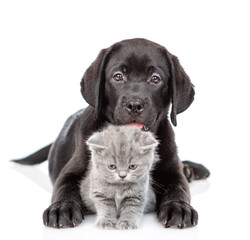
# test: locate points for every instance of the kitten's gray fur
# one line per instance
(120, 202)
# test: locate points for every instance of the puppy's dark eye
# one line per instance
(155, 79)
(118, 77)
(112, 166)
(132, 167)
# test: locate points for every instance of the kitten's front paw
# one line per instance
(126, 224)
(105, 223)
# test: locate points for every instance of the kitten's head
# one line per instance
(122, 154)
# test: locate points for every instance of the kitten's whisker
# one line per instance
(158, 185)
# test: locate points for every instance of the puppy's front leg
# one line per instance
(171, 186)
(67, 207)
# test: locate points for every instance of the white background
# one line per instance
(45, 47)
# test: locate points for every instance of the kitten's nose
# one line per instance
(122, 175)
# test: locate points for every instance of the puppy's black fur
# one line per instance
(133, 81)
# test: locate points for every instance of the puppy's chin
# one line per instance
(135, 124)
(138, 121)
(144, 125)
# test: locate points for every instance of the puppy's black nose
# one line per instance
(135, 106)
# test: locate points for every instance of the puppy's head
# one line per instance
(134, 81)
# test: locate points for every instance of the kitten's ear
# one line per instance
(96, 142)
(148, 142)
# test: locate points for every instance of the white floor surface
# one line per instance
(26, 192)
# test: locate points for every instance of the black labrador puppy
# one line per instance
(132, 82)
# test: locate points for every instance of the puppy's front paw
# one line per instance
(126, 224)
(177, 214)
(105, 223)
(63, 215)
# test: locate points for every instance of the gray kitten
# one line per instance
(117, 186)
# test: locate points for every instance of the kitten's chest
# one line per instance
(123, 192)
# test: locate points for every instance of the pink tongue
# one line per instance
(138, 125)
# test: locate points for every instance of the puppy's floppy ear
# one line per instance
(90, 79)
(93, 81)
(181, 86)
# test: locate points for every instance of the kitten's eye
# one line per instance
(155, 79)
(112, 166)
(132, 167)
(118, 77)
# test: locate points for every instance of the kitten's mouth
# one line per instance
(137, 125)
